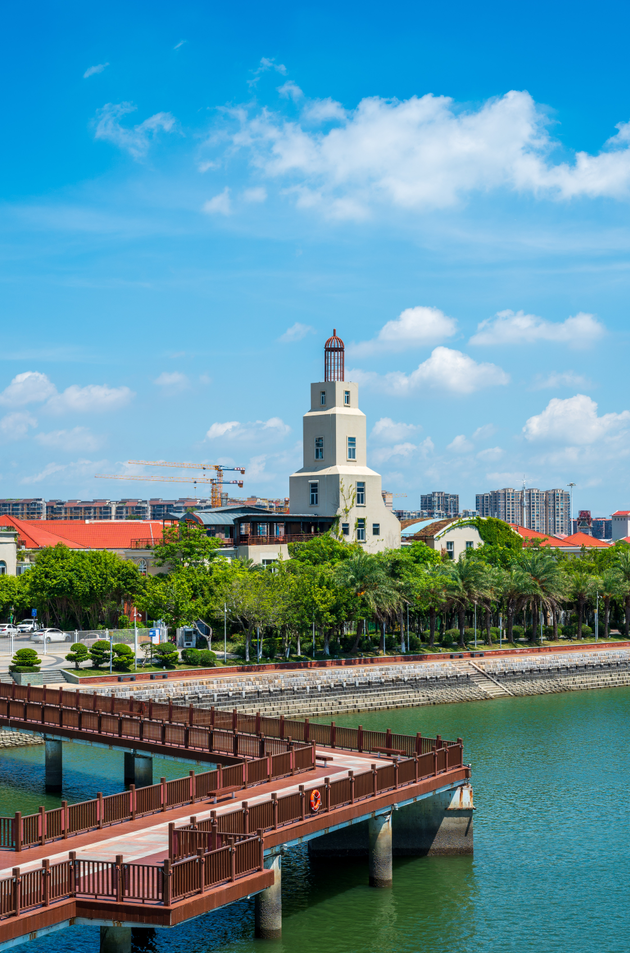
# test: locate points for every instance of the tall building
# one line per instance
(545, 511)
(24, 509)
(439, 504)
(335, 479)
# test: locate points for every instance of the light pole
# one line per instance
(596, 615)
(475, 626)
(314, 634)
(111, 649)
(225, 633)
(571, 485)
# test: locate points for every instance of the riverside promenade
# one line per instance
(156, 855)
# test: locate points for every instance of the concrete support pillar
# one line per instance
(115, 940)
(54, 773)
(138, 769)
(436, 826)
(380, 856)
(268, 914)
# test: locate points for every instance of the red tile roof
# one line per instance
(84, 534)
(563, 542)
(583, 539)
(622, 513)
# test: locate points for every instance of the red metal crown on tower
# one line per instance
(334, 358)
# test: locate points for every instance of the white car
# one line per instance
(7, 628)
(28, 625)
(51, 635)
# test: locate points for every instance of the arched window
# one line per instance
(142, 566)
(3, 568)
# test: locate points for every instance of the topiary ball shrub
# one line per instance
(25, 660)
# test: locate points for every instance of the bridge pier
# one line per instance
(268, 909)
(115, 940)
(54, 762)
(436, 826)
(138, 769)
(380, 850)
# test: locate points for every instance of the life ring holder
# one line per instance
(315, 801)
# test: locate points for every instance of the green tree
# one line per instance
(25, 660)
(432, 595)
(613, 588)
(582, 584)
(621, 563)
(100, 653)
(185, 545)
(123, 657)
(377, 593)
(467, 583)
(542, 583)
(324, 549)
(78, 654)
(165, 655)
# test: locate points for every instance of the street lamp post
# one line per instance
(571, 485)
(225, 633)
(596, 615)
(475, 626)
(111, 648)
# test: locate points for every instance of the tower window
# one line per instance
(314, 493)
(376, 529)
(361, 531)
(345, 529)
(450, 549)
(352, 448)
(319, 448)
(361, 494)
(322, 398)
(346, 398)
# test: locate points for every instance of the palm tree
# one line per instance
(613, 586)
(583, 584)
(365, 577)
(467, 582)
(432, 595)
(541, 582)
(622, 565)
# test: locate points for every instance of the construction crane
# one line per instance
(216, 482)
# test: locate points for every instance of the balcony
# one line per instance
(276, 540)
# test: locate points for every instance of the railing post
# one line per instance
(72, 860)
(212, 715)
(186, 736)
(132, 801)
(258, 722)
(17, 831)
(100, 810)
(201, 870)
(307, 730)
(171, 840)
(435, 760)
(235, 744)
(245, 818)
(214, 834)
(232, 863)
(261, 745)
(42, 825)
(219, 777)
(313, 753)
(17, 890)
(193, 786)
(460, 742)
(112, 705)
(234, 719)
(119, 878)
(351, 777)
(274, 809)
(302, 802)
(191, 712)
(416, 768)
(360, 738)
(388, 738)
(269, 767)
(438, 741)
(163, 793)
(418, 743)
(374, 781)
(261, 843)
(281, 726)
(167, 884)
(292, 760)
(245, 771)
(327, 784)
(396, 775)
(333, 734)
(150, 709)
(120, 721)
(46, 881)
(163, 733)
(170, 710)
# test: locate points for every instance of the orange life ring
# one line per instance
(315, 801)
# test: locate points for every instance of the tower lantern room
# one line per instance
(334, 358)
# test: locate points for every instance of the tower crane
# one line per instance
(216, 482)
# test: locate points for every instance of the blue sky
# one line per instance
(194, 197)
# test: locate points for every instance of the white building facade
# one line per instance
(335, 480)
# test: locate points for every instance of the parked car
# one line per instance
(52, 635)
(27, 625)
(7, 628)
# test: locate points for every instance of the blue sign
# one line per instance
(154, 632)
(34, 613)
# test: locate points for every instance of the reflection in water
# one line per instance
(551, 845)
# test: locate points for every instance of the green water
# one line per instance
(550, 870)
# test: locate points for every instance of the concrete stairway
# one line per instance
(483, 680)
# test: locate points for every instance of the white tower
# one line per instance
(335, 479)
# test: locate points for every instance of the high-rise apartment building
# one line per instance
(24, 509)
(546, 511)
(440, 505)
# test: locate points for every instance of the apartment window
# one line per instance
(345, 529)
(376, 529)
(142, 566)
(450, 549)
(361, 494)
(322, 398)
(361, 531)
(470, 544)
(352, 448)
(346, 398)
(314, 493)
(319, 448)
(3, 568)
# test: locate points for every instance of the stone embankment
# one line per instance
(324, 692)
(15, 739)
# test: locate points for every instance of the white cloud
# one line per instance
(291, 90)
(386, 430)
(323, 110)
(460, 444)
(220, 204)
(137, 139)
(66, 472)
(403, 450)
(173, 380)
(574, 422)
(233, 430)
(490, 455)
(31, 387)
(180, 44)
(296, 332)
(560, 379)
(415, 327)
(509, 327)
(484, 432)
(445, 369)
(93, 70)
(266, 64)
(513, 478)
(16, 426)
(255, 195)
(427, 152)
(79, 438)
(93, 398)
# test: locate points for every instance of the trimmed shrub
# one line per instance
(25, 660)
(78, 654)
(165, 655)
(123, 657)
(99, 653)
